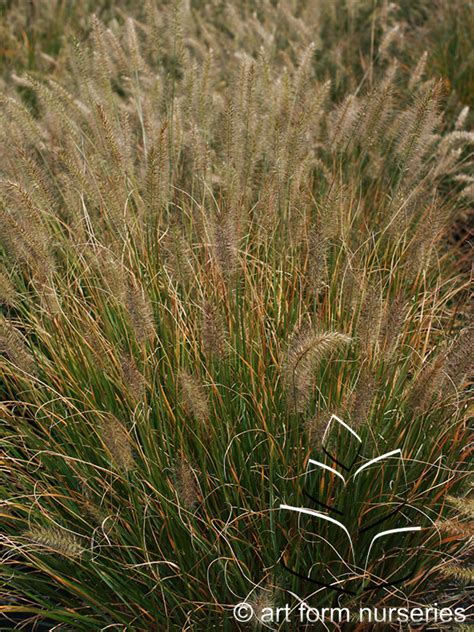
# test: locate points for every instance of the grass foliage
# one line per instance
(220, 224)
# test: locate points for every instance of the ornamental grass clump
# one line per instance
(219, 226)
